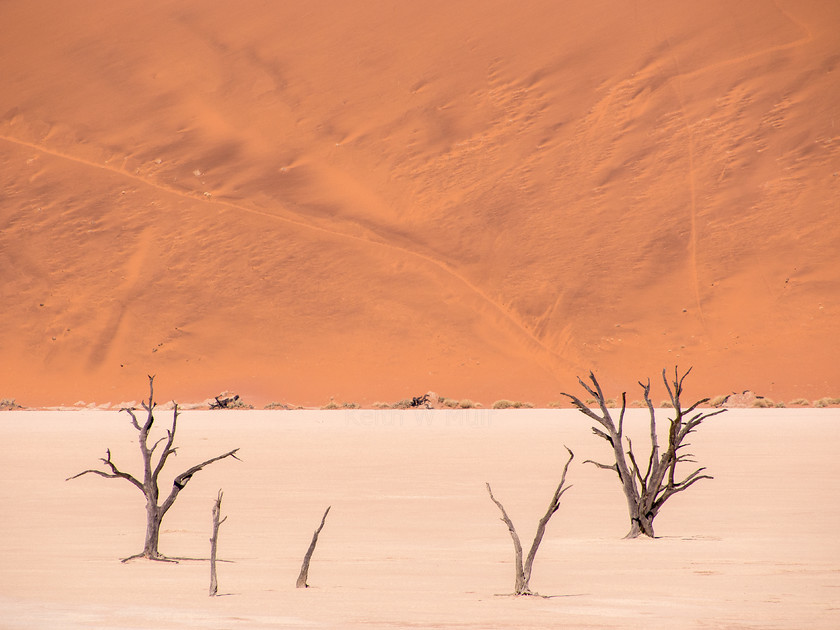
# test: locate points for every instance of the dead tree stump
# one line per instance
(304, 569)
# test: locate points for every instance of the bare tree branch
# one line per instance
(520, 585)
(167, 450)
(130, 412)
(612, 467)
(183, 479)
(621, 416)
(600, 433)
(636, 470)
(553, 506)
(114, 474)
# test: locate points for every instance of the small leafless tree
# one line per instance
(647, 493)
(523, 570)
(214, 540)
(155, 511)
(304, 569)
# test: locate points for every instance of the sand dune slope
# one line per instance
(367, 200)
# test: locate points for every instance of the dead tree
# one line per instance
(155, 511)
(647, 493)
(421, 401)
(523, 570)
(304, 569)
(224, 403)
(214, 539)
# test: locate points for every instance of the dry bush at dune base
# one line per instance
(9, 404)
(717, 401)
(827, 402)
(765, 403)
(512, 404)
(332, 405)
(283, 406)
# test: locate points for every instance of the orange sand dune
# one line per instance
(368, 201)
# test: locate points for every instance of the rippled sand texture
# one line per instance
(362, 200)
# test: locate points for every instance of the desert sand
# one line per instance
(412, 539)
(366, 200)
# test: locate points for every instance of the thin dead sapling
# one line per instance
(304, 569)
(214, 541)
(523, 569)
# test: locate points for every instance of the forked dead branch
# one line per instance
(155, 511)
(647, 493)
(523, 569)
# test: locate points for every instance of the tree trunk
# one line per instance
(521, 586)
(153, 520)
(640, 525)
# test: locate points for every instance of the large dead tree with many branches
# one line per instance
(647, 492)
(523, 569)
(155, 510)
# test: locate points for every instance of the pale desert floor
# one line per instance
(412, 539)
